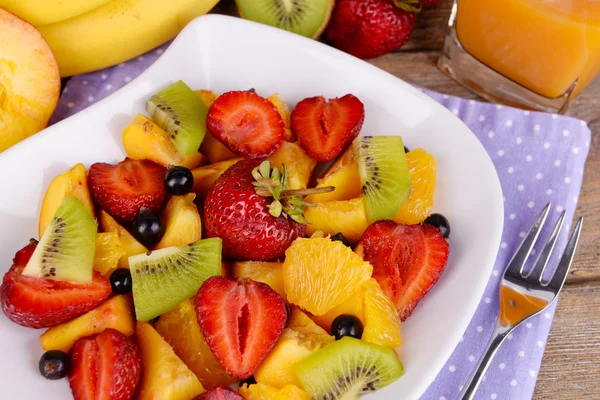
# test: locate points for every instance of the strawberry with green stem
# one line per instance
(255, 214)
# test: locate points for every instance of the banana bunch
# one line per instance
(87, 35)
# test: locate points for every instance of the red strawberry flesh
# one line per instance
(106, 366)
(325, 128)
(246, 123)
(407, 260)
(41, 303)
(369, 28)
(240, 217)
(123, 189)
(220, 393)
(241, 321)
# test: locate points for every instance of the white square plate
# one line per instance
(225, 53)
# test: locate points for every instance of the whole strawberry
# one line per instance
(251, 210)
(371, 28)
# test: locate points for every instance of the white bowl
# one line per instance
(225, 53)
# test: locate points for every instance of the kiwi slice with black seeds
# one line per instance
(384, 175)
(66, 250)
(180, 112)
(164, 278)
(346, 368)
(304, 17)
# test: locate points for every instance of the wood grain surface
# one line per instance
(571, 365)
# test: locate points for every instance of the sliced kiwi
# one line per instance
(347, 368)
(164, 278)
(180, 112)
(66, 250)
(304, 17)
(384, 175)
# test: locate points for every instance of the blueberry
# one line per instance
(248, 381)
(120, 281)
(406, 149)
(346, 325)
(148, 228)
(341, 238)
(54, 364)
(440, 222)
(179, 181)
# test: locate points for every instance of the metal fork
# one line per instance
(524, 294)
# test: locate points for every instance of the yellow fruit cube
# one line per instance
(109, 251)
(346, 216)
(300, 339)
(261, 271)
(260, 391)
(204, 177)
(131, 246)
(182, 222)
(343, 175)
(299, 165)
(116, 313)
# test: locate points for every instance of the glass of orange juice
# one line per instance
(533, 54)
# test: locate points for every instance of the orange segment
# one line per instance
(164, 375)
(261, 271)
(381, 320)
(299, 165)
(182, 222)
(331, 217)
(343, 175)
(179, 327)
(422, 167)
(319, 274)
(108, 252)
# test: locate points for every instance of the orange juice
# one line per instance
(544, 45)
(515, 306)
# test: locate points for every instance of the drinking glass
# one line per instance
(533, 54)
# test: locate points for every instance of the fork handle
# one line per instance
(469, 389)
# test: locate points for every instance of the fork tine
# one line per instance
(560, 275)
(516, 263)
(537, 271)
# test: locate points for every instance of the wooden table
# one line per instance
(571, 363)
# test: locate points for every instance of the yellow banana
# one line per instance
(118, 31)
(43, 12)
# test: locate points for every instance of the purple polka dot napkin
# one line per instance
(539, 158)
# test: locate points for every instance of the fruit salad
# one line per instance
(212, 262)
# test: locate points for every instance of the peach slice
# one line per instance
(131, 246)
(143, 139)
(343, 175)
(29, 80)
(346, 216)
(284, 111)
(261, 271)
(182, 222)
(204, 177)
(115, 313)
(298, 164)
(70, 183)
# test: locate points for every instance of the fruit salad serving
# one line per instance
(212, 262)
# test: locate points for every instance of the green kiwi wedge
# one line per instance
(66, 250)
(384, 175)
(180, 112)
(347, 368)
(164, 278)
(304, 17)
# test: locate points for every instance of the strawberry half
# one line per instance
(220, 393)
(240, 320)
(246, 123)
(41, 303)
(407, 260)
(105, 366)
(123, 189)
(326, 127)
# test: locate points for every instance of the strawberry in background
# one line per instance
(371, 28)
